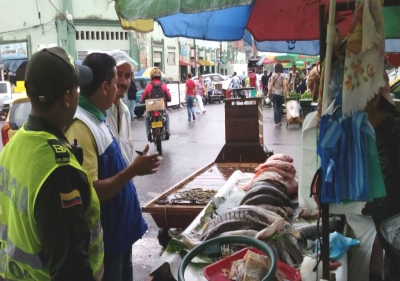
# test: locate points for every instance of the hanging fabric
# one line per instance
(363, 71)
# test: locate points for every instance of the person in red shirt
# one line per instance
(189, 93)
(155, 76)
(253, 79)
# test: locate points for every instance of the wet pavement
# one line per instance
(193, 145)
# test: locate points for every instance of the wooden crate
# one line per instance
(244, 131)
(181, 215)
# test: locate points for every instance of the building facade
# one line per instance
(82, 27)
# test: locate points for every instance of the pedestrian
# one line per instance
(243, 79)
(121, 215)
(302, 87)
(200, 91)
(189, 95)
(247, 85)
(294, 79)
(277, 89)
(253, 82)
(50, 214)
(264, 82)
(119, 116)
(235, 82)
(385, 119)
(151, 92)
(258, 81)
(132, 92)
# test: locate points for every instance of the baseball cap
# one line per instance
(50, 70)
(122, 57)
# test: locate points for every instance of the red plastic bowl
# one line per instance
(214, 272)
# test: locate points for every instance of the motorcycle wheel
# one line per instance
(158, 145)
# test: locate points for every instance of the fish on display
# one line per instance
(267, 189)
(264, 199)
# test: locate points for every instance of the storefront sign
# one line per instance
(14, 51)
(184, 50)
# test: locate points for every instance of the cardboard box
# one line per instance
(155, 104)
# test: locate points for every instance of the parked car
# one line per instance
(18, 115)
(217, 79)
(141, 82)
(6, 94)
(7, 103)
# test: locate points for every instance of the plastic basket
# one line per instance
(212, 245)
(214, 272)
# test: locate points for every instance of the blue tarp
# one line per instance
(203, 25)
(305, 47)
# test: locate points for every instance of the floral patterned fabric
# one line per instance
(363, 71)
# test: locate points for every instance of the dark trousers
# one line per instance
(119, 268)
(277, 101)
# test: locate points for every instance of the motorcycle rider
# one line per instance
(155, 76)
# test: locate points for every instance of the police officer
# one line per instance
(50, 213)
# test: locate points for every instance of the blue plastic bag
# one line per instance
(338, 245)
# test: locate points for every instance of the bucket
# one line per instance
(228, 93)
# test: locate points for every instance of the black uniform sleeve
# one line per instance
(64, 232)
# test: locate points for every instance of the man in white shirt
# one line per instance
(258, 81)
(119, 118)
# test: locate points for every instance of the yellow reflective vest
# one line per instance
(25, 163)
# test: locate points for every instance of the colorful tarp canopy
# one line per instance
(145, 72)
(296, 31)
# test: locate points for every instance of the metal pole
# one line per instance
(330, 34)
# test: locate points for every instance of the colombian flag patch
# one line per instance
(71, 199)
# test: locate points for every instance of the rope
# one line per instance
(195, 195)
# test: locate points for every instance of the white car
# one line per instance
(6, 96)
(217, 79)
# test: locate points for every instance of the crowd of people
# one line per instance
(73, 212)
(296, 81)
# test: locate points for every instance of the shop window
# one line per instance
(121, 35)
(92, 35)
(97, 35)
(126, 35)
(77, 35)
(102, 35)
(107, 35)
(87, 35)
(82, 35)
(112, 35)
(171, 58)
(116, 35)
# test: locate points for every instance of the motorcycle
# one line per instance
(157, 129)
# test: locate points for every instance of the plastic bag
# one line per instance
(339, 245)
